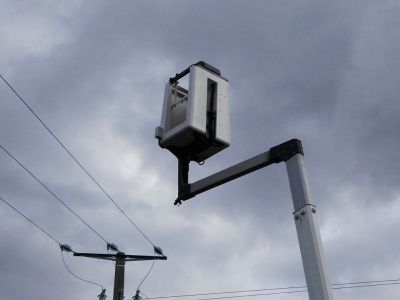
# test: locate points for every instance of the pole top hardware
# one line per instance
(103, 295)
(127, 257)
(112, 246)
(137, 296)
(66, 248)
(158, 250)
(285, 151)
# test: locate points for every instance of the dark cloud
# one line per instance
(95, 72)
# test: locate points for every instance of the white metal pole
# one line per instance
(308, 231)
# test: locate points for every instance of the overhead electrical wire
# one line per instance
(30, 221)
(54, 195)
(227, 292)
(76, 276)
(145, 296)
(242, 296)
(365, 285)
(284, 290)
(147, 274)
(254, 295)
(77, 161)
(62, 246)
(394, 281)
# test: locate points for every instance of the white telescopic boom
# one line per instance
(308, 232)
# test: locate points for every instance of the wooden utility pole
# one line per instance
(119, 276)
(120, 258)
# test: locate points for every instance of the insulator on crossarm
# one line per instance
(158, 250)
(66, 248)
(112, 246)
(103, 295)
(137, 296)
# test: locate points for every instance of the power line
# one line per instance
(365, 285)
(54, 195)
(228, 292)
(336, 286)
(293, 292)
(76, 276)
(397, 280)
(147, 274)
(284, 290)
(77, 162)
(30, 221)
(52, 238)
(253, 295)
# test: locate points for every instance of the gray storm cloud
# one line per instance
(95, 72)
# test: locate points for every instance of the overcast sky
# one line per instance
(326, 72)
